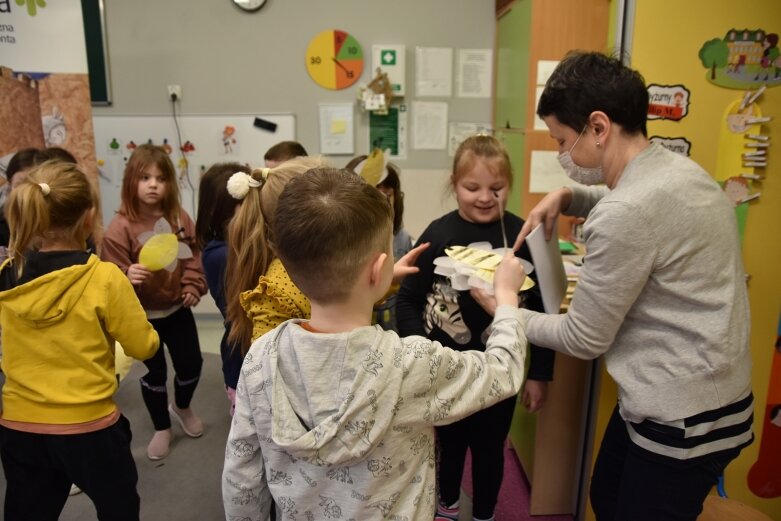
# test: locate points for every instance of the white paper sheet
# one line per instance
(549, 268)
(458, 131)
(545, 172)
(336, 128)
(429, 120)
(434, 71)
(539, 124)
(474, 73)
(544, 70)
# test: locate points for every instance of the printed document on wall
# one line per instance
(429, 125)
(336, 128)
(434, 71)
(545, 173)
(459, 131)
(474, 73)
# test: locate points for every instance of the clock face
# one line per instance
(334, 59)
(249, 5)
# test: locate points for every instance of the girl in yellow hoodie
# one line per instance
(61, 309)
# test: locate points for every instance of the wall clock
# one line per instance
(249, 5)
(334, 59)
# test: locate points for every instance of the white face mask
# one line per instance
(580, 174)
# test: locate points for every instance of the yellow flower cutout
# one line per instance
(161, 248)
(474, 266)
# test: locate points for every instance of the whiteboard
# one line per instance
(211, 138)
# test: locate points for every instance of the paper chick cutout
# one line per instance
(474, 266)
(161, 249)
(374, 169)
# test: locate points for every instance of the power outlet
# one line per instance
(175, 92)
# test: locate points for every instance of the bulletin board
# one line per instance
(205, 140)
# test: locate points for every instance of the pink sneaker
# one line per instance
(190, 423)
(446, 514)
(160, 445)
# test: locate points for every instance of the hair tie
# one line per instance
(46, 189)
(264, 173)
(240, 183)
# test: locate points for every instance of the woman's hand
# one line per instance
(406, 265)
(535, 394)
(546, 212)
(137, 274)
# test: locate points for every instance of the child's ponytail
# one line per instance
(52, 203)
(249, 236)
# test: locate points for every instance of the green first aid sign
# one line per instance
(388, 56)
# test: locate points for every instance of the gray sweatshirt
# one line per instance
(662, 291)
(342, 425)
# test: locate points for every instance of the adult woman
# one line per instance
(661, 294)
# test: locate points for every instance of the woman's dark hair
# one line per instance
(585, 82)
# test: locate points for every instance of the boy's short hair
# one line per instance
(327, 224)
(285, 150)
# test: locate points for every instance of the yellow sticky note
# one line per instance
(338, 126)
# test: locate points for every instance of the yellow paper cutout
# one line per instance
(159, 251)
(484, 263)
(374, 166)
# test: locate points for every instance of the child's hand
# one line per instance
(486, 300)
(406, 265)
(190, 299)
(508, 280)
(535, 394)
(138, 274)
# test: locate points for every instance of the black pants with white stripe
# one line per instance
(179, 334)
(630, 483)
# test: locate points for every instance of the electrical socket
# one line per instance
(175, 92)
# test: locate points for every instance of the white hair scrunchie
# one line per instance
(240, 183)
(46, 189)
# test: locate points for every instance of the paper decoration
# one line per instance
(474, 266)
(161, 248)
(668, 101)
(374, 169)
(679, 145)
(743, 58)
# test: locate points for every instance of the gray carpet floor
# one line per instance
(186, 484)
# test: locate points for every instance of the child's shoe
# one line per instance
(191, 424)
(160, 445)
(447, 513)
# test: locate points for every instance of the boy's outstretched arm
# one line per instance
(454, 384)
(406, 265)
(245, 492)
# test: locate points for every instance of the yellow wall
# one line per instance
(668, 35)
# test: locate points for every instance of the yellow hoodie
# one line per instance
(58, 342)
